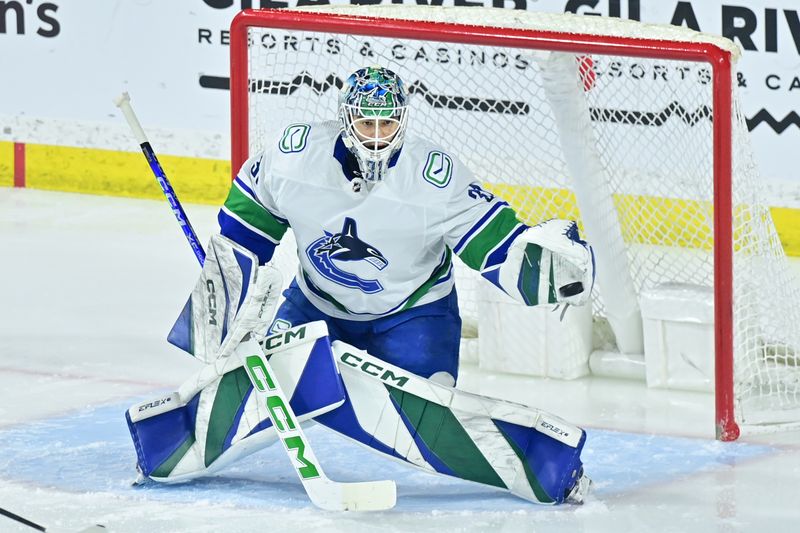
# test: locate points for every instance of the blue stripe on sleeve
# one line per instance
(242, 185)
(241, 234)
(499, 254)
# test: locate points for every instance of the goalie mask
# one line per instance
(373, 110)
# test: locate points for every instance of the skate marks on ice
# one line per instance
(91, 451)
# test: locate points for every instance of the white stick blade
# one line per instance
(360, 496)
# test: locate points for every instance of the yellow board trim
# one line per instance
(206, 181)
(114, 173)
(648, 219)
(787, 222)
(6, 164)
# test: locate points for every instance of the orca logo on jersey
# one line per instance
(342, 247)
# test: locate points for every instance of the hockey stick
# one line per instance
(322, 491)
(34, 525)
(124, 103)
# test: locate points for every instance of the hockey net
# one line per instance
(631, 129)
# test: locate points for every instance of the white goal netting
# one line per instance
(622, 144)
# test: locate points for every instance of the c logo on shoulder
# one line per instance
(294, 138)
(438, 169)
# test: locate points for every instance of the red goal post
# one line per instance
(721, 61)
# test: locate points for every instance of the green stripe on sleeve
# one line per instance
(444, 436)
(254, 213)
(474, 254)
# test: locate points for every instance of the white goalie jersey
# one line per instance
(363, 255)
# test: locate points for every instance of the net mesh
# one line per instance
(644, 127)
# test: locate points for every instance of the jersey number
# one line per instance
(475, 191)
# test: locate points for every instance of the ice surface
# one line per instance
(91, 285)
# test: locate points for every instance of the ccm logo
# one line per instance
(212, 303)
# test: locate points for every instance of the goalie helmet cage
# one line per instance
(631, 129)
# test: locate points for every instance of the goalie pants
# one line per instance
(423, 340)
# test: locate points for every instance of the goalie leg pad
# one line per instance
(528, 452)
(157, 437)
(215, 419)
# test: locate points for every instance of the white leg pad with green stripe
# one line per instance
(531, 453)
(214, 418)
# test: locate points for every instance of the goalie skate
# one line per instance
(577, 494)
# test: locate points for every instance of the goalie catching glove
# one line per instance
(549, 263)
